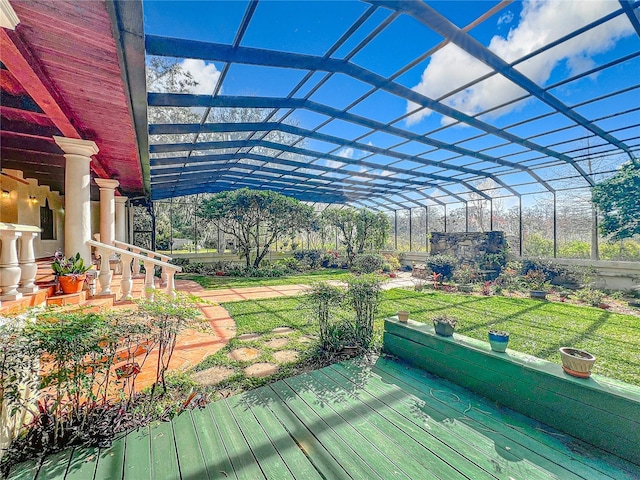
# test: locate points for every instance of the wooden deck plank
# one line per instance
(83, 464)
(24, 471)
(190, 460)
(468, 443)
(164, 458)
(137, 465)
(545, 446)
(240, 455)
(111, 461)
(372, 446)
(215, 455)
(313, 448)
(54, 467)
(290, 452)
(267, 456)
(400, 434)
(355, 466)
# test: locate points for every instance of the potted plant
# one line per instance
(464, 276)
(537, 282)
(403, 316)
(577, 362)
(70, 273)
(444, 325)
(498, 340)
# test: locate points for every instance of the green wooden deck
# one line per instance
(344, 421)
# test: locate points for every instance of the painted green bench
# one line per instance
(599, 410)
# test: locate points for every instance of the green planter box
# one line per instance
(599, 410)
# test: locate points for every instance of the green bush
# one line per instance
(591, 296)
(364, 296)
(367, 263)
(324, 301)
(309, 259)
(442, 264)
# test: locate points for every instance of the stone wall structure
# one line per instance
(468, 247)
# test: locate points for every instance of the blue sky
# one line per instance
(311, 28)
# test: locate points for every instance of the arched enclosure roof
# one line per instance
(392, 104)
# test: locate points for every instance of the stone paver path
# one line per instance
(213, 376)
(244, 354)
(194, 346)
(260, 370)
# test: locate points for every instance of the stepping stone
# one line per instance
(284, 356)
(248, 337)
(244, 354)
(283, 330)
(306, 339)
(277, 343)
(213, 375)
(260, 370)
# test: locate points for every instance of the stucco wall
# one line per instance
(18, 208)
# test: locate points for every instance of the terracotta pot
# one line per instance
(577, 362)
(403, 316)
(71, 283)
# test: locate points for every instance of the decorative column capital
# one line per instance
(107, 183)
(121, 199)
(8, 17)
(77, 146)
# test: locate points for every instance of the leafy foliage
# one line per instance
(364, 295)
(617, 200)
(368, 263)
(69, 266)
(324, 300)
(360, 228)
(443, 265)
(256, 219)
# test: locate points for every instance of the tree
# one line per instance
(360, 228)
(256, 218)
(618, 200)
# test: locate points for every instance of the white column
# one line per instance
(121, 219)
(107, 209)
(77, 195)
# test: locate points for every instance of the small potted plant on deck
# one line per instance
(498, 340)
(444, 325)
(70, 273)
(577, 362)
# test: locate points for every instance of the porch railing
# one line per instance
(127, 258)
(142, 251)
(18, 267)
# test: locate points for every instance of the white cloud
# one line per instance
(505, 18)
(346, 152)
(540, 23)
(206, 74)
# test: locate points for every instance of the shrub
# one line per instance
(509, 278)
(554, 273)
(393, 261)
(367, 263)
(590, 295)
(536, 280)
(442, 264)
(289, 264)
(324, 300)
(181, 262)
(363, 296)
(465, 274)
(309, 259)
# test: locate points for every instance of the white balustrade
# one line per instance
(27, 261)
(9, 267)
(129, 260)
(18, 266)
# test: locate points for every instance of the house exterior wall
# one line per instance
(19, 209)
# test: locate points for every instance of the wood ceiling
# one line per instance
(60, 75)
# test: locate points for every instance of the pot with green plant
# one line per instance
(537, 283)
(498, 340)
(576, 362)
(71, 273)
(444, 325)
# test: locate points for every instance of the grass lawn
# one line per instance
(537, 327)
(306, 278)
